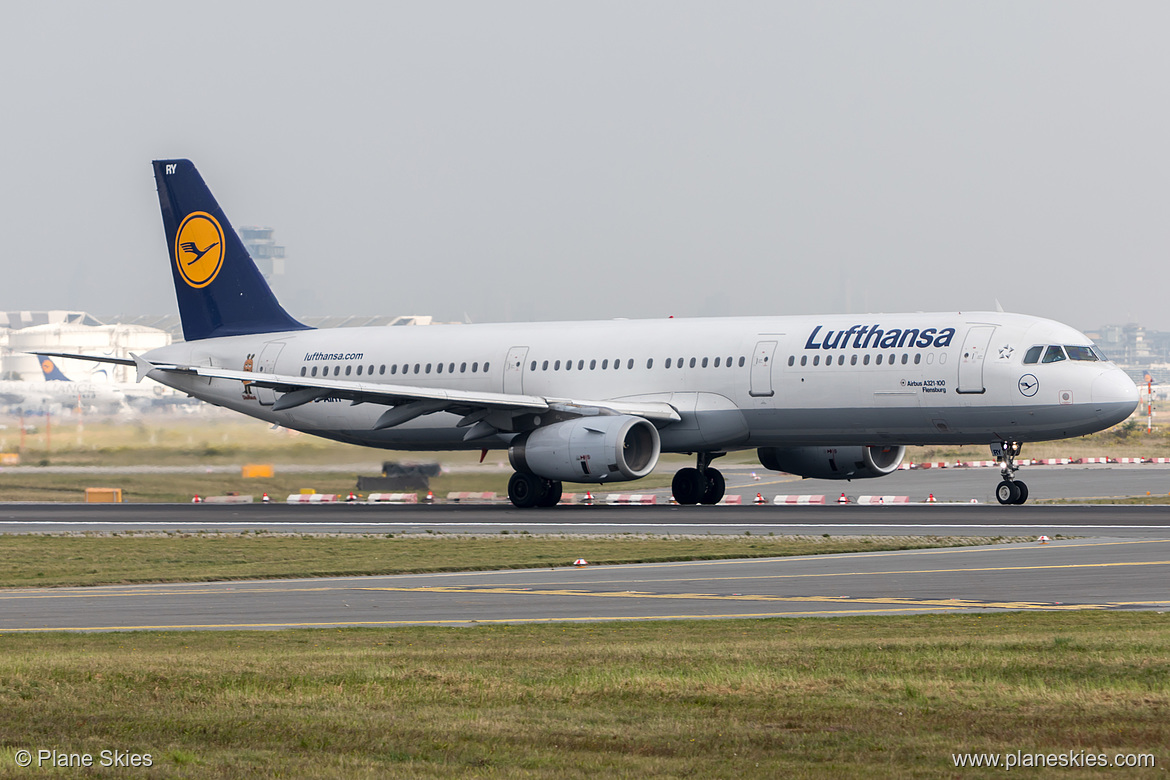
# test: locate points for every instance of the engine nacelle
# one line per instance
(833, 462)
(589, 449)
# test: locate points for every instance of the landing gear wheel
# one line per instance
(525, 490)
(1007, 493)
(1023, 489)
(688, 486)
(716, 487)
(553, 491)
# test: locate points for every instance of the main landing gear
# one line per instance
(528, 490)
(1010, 491)
(701, 485)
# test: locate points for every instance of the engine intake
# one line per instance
(589, 449)
(833, 462)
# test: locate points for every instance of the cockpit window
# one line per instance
(1053, 354)
(1033, 355)
(1100, 355)
(1080, 353)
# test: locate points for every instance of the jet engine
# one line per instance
(588, 449)
(833, 462)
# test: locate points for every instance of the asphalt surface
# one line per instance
(1119, 560)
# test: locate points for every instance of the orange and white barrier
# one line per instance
(730, 501)
(872, 500)
(1094, 460)
(1052, 462)
(392, 498)
(1131, 460)
(1157, 460)
(631, 498)
(313, 498)
(469, 498)
(978, 464)
(798, 500)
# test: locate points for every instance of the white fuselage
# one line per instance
(736, 383)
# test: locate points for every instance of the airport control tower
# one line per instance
(269, 255)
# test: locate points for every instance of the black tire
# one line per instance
(1007, 493)
(525, 490)
(688, 486)
(716, 487)
(1023, 492)
(553, 491)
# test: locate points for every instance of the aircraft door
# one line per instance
(761, 377)
(972, 357)
(267, 365)
(514, 370)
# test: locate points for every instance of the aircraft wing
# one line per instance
(410, 401)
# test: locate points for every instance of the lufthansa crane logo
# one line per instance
(199, 249)
(47, 366)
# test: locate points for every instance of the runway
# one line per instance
(1119, 559)
(1084, 574)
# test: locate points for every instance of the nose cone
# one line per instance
(1115, 396)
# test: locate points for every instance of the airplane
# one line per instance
(58, 390)
(824, 396)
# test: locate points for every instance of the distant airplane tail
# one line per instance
(50, 370)
(220, 290)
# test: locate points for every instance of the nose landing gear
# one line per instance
(701, 485)
(1010, 490)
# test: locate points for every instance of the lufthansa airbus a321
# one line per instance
(831, 397)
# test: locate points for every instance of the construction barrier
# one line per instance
(798, 500)
(1094, 460)
(730, 501)
(229, 500)
(103, 495)
(1131, 460)
(9, 458)
(883, 500)
(978, 464)
(1052, 462)
(468, 498)
(313, 498)
(392, 498)
(631, 498)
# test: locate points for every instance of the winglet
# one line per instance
(143, 365)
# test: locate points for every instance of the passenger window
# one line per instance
(439, 368)
(382, 370)
(717, 362)
(729, 361)
(742, 360)
(680, 363)
(348, 369)
(325, 371)
(568, 365)
(816, 360)
(463, 366)
(393, 369)
(544, 366)
(917, 358)
(557, 366)
(336, 370)
(580, 365)
(791, 361)
(905, 358)
(303, 370)
(314, 371)
(853, 360)
(475, 367)
(879, 359)
(704, 362)
(1053, 354)
(865, 360)
(630, 363)
(841, 360)
(592, 364)
(486, 366)
(692, 362)
(429, 367)
(371, 371)
(649, 362)
(1080, 353)
(804, 360)
(359, 371)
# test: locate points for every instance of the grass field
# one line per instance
(824, 698)
(44, 560)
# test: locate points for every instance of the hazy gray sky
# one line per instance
(552, 160)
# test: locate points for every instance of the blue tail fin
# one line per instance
(50, 370)
(220, 290)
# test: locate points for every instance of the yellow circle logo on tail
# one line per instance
(47, 366)
(199, 249)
